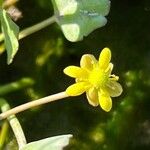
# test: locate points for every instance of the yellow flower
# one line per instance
(94, 77)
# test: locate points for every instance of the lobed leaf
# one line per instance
(78, 18)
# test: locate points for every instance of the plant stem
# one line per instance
(17, 130)
(3, 134)
(28, 105)
(36, 27)
(1, 2)
(17, 85)
(30, 30)
(16, 127)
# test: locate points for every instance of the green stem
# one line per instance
(30, 30)
(3, 133)
(36, 27)
(15, 125)
(1, 37)
(31, 104)
(1, 3)
(17, 85)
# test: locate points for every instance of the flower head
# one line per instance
(94, 77)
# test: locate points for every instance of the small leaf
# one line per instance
(52, 143)
(11, 32)
(78, 18)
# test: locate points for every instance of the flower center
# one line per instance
(98, 78)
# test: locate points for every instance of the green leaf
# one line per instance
(52, 143)
(78, 18)
(11, 32)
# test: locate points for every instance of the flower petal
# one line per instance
(76, 72)
(109, 68)
(77, 88)
(104, 58)
(105, 102)
(114, 88)
(87, 61)
(92, 96)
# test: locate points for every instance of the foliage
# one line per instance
(53, 143)
(43, 56)
(79, 18)
(11, 32)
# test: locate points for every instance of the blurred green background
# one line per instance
(43, 56)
